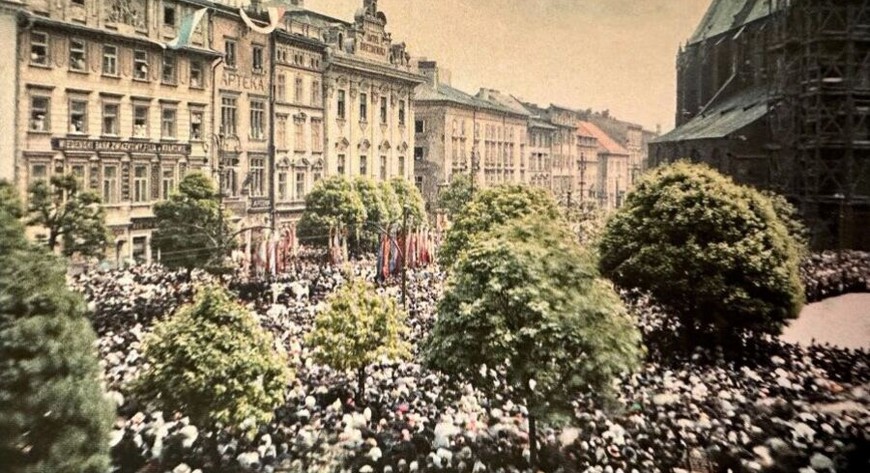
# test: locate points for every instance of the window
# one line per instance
(140, 121)
(78, 171)
(169, 71)
(39, 48)
(230, 53)
(401, 166)
(418, 153)
(40, 113)
(418, 181)
(196, 77)
(169, 15)
(363, 107)
(258, 119)
(257, 175)
(140, 249)
(167, 179)
(228, 182)
(140, 183)
(281, 132)
(140, 65)
(38, 172)
(168, 123)
(315, 93)
(110, 119)
(110, 184)
(228, 116)
(281, 88)
(257, 59)
(78, 55)
(110, 60)
(299, 133)
(342, 110)
(298, 90)
(78, 116)
(401, 113)
(340, 165)
(419, 126)
(317, 135)
(300, 185)
(282, 186)
(363, 169)
(196, 125)
(383, 110)
(383, 168)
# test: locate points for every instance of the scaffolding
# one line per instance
(818, 55)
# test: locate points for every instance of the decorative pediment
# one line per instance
(342, 144)
(301, 163)
(318, 165)
(403, 147)
(284, 162)
(364, 145)
(385, 146)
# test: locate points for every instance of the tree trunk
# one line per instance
(360, 386)
(533, 443)
(52, 240)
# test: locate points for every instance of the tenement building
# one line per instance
(776, 93)
(368, 91)
(100, 97)
(459, 133)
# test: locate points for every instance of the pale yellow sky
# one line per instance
(599, 54)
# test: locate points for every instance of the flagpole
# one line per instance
(274, 59)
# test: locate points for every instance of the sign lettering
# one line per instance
(238, 81)
(73, 144)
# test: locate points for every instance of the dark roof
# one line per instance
(606, 143)
(446, 93)
(727, 117)
(318, 20)
(727, 15)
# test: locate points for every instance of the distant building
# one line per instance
(776, 93)
(613, 166)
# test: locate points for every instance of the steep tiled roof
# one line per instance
(605, 142)
(726, 15)
(446, 93)
(725, 118)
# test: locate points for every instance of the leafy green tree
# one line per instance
(371, 196)
(391, 203)
(453, 199)
(526, 301)
(192, 231)
(357, 328)
(791, 218)
(53, 414)
(490, 208)
(333, 205)
(712, 252)
(213, 361)
(410, 199)
(72, 217)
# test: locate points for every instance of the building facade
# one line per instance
(613, 166)
(102, 99)
(459, 133)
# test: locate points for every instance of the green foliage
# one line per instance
(791, 218)
(357, 328)
(453, 199)
(213, 361)
(376, 211)
(526, 300)
(71, 216)
(53, 415)
(334, 204)
(587, 221)
(410, 199)
(493, 207)
(713, 252)
(191, 229)
(391, 203)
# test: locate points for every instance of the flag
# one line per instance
(185, 31)
(276, 11)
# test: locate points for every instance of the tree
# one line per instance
(391, 203)
(372, 199)
(212, 361)
(453, 199)
(357, 328)
(191, 228)
(410, 200)
(490, 208)
(712, 252)
(791, 218)
(526, 301)
(73, 217)
(333, 205)
(53, 414)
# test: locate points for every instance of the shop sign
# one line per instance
(76, 144)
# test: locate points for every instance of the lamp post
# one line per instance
(223, 144)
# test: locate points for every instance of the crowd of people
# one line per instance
(783, 408)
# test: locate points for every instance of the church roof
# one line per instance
(720, 121)
(727, 15)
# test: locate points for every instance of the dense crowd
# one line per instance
(833, 273)
(781, 408)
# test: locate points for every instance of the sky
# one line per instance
(617, 55)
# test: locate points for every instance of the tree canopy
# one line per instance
(357, 328)
(333, 204)
(192, 231)
(490, 208)
(213, 361)
(453, 198)
(53, 414)
(371, 196)
(410, 199)
(712, 252)
(72, 217)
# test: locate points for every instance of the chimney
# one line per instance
(429, 70)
